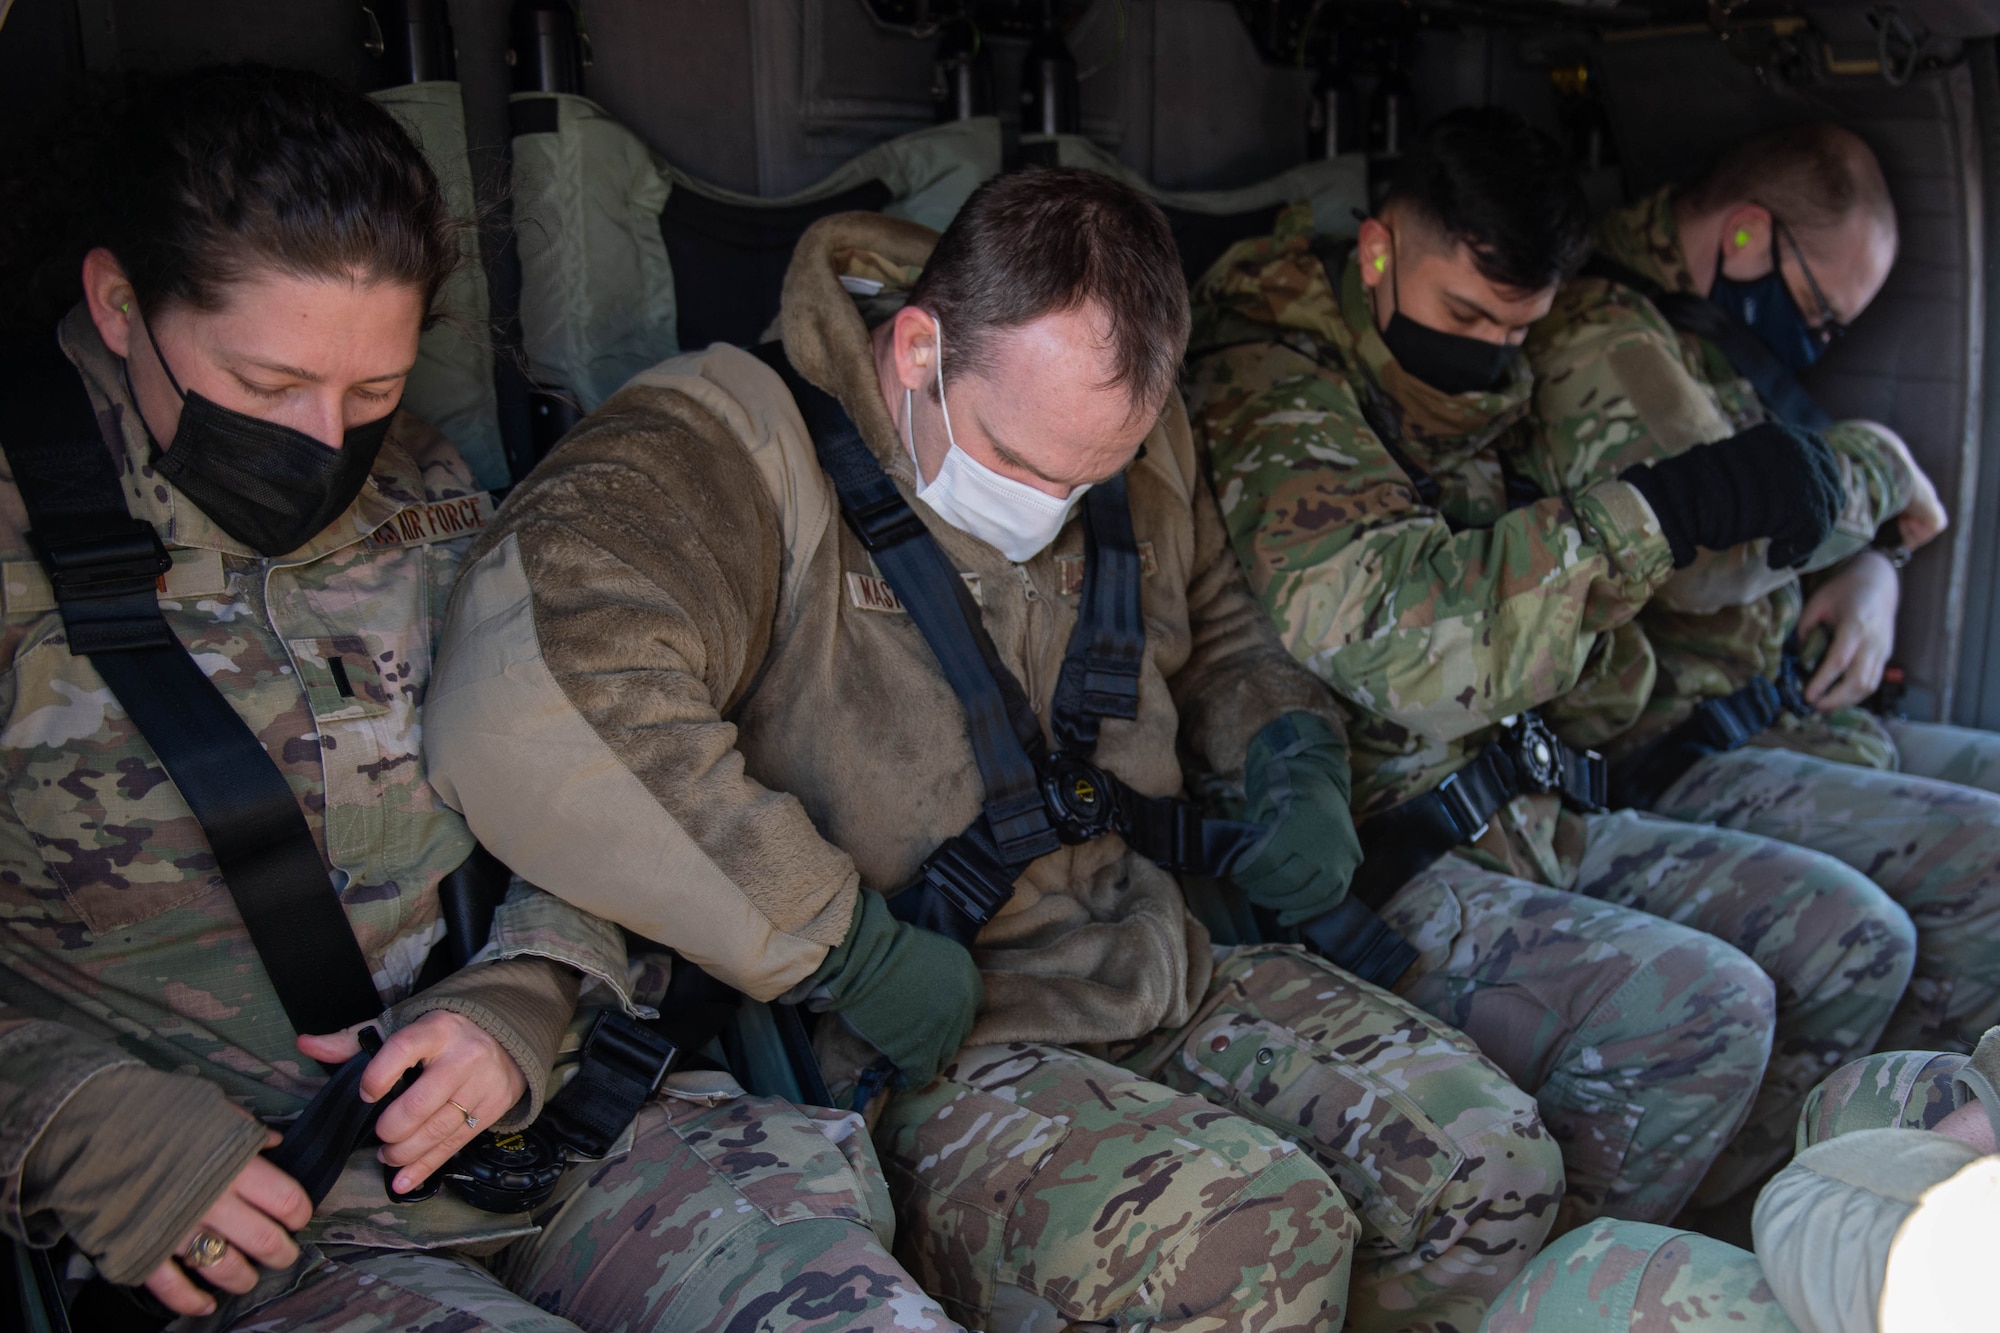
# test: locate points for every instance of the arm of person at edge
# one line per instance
(1614, 388)
(657, 554)
(1367, 585)
(1857, 601)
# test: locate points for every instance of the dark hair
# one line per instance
(1809, 176)
(1051, 239)
(195, 179)
(1484, 176)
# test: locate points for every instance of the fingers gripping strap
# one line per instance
(98, 561)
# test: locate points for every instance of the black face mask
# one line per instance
(268, 486)
(1448, 362)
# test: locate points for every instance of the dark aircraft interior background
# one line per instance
(765, 98)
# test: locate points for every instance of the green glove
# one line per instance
(909, 993)
(1295, 781)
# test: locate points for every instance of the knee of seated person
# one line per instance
(1420, 1130)
(1611, 1276)
(1727, 1026)
(1891, 1089)
(1039, 1186)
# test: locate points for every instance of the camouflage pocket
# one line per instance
(342, 678)
(1596, 1135)
(976, 1149)
(1391, 1160)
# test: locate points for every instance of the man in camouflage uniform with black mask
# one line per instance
(1362, 412)
(1792, 234)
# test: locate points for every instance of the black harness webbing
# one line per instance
(1036, 800)
(1777, 388)
(104, 566)
(1716, 726)
(1528, 758)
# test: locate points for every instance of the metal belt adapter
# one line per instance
(1527, 759)
(1716, 726)
(1037, 799)
(104, 566)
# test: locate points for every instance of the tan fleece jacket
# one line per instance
(673, 690)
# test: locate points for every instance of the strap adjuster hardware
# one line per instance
(884, 522)
(627, 1046)
(117, 563)
(1458, 807)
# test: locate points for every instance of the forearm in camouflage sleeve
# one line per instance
(1875, 471)
(1442, 632)
(1238, 678)
(97, 1146)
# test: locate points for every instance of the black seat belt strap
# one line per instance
(104, 567)
(1777, 388)
(1107, 647)
(916, 568)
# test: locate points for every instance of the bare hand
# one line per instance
(1970, 1125)
(1924, 517)
(462, 1063)
(1859, 603)
(257, 1215)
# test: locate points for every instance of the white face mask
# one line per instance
(1010, 515)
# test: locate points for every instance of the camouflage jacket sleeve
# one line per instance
(1443, 632)
(42, 1064)
(1616, 386)
(1238, 678)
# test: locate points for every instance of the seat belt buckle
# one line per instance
(1457, 805)
(123, 560)
(630, 1047)
(1536, 752)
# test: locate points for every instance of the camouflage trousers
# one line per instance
(1893, 1090)
(748, 1215)
(1640, 1007)
(1308, 1152)
(1615, 1277)
(1933, 846)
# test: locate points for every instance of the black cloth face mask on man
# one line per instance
(1448, 362)
(268, 486)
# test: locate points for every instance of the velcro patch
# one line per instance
(871, 592)
(342, 678)
(438, 521)
(1069, 570)
(26, 588)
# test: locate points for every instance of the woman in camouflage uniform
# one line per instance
(256, 294)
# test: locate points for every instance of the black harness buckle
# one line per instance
(1457, 804)
(1082, 801)
(126, 558)
(1536, 753)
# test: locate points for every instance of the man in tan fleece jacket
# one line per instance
(676, 691)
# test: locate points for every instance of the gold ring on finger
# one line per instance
(471, 1120)
(204, 1249)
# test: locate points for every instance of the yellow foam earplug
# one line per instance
(1381, 263)
(1742, 238)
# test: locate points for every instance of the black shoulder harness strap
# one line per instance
(1779, 390)
(1036, 799)
(104, 566)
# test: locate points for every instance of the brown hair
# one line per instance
(193, 180)
(1811, 177)
(1054, 239)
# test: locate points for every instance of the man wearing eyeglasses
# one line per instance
(1688, 327)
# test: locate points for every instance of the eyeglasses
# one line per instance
(1829, 328)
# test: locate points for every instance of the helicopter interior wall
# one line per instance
(767, 96)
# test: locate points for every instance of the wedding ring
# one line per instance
(471, 1120)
